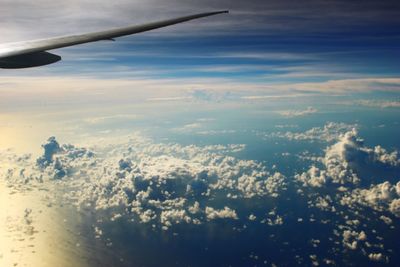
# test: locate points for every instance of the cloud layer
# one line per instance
(167, 186)
(163, 183)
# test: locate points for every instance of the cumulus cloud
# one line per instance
(225, 213)
(252, 217)
(164, 185)
(380, 197)
(278, 220)
(382, 155)
(158, 183)
(168, 217)
(351, 239)
(343, 159)
(50, 148)
(386, 219)
(350, 181)
(379, 257)
(338, 183)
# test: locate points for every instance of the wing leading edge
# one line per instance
(33, 53)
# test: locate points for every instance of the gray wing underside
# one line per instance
(37, 49)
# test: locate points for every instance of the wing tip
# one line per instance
(216, 12)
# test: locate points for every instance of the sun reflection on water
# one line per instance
(36, 233)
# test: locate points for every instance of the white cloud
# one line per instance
(273, 97)
(328, 133)
(342, 160)
(188, 127)
(147, 216)
(386, 219)
(251, 186)
(215, 132)
(169, 217)
(346, 85)
(380, 197)
(351, 239)
(195, 208)
(394, 206)
(324, 203)
(379, 257)
(277, 221)
(379, 103)
(177, 98)
(297, 113)
(159, 183)
(382, 155)
(111, 119)
(163, 185)
(252, 217)
(225, 213)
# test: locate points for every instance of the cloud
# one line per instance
(328, 133)
(378, 257)
(50, 149)
(394, 206)
(380, 197)
(386, 219)
(115, 88)
(111, 119)
(297, 113)
(256, 185)
(278, 220)
(169, 217)
(225, 213)
(379, 154)
(178, 98)
(247, 67)
(274, 17)
(252, 217)
(165, 184)
(344, 159)
(349, 85)
(272, 97)
(350, 168)
(168, 186)
(379, 103)
(352, 238)
(216, 132)
(189, 127)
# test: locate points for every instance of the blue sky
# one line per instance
(261, 48)
(260, 41)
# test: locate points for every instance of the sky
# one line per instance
(269, 46)
(263, 137)
(262, 49)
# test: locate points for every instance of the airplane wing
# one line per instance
(34, 53)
